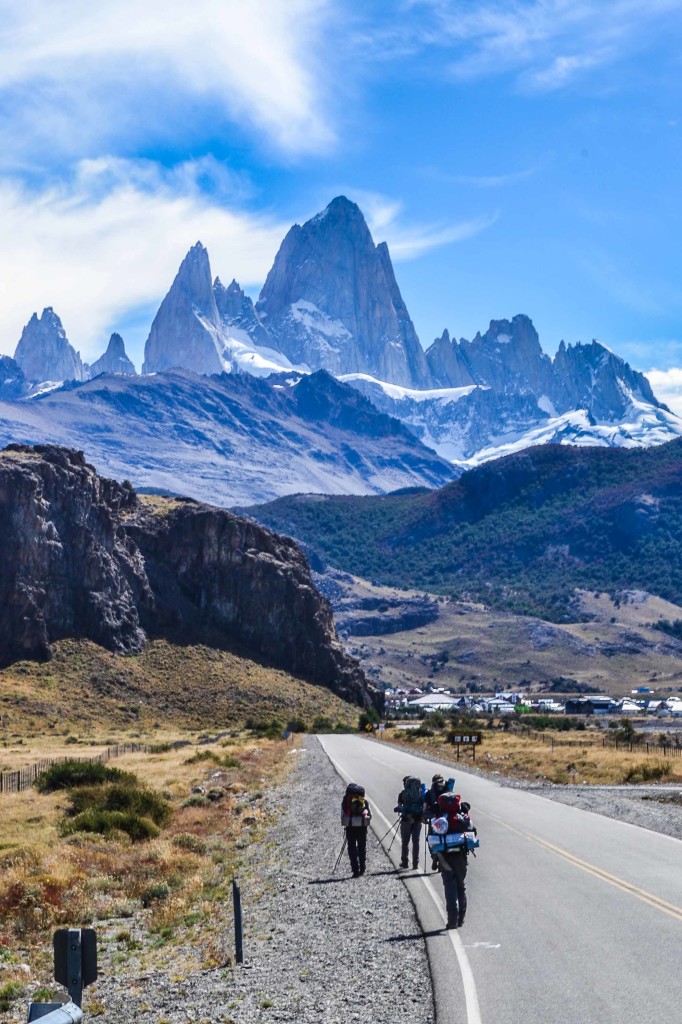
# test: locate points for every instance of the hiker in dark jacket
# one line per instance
(410, 809)
(355, 817)
(453, 864)
(431, 810)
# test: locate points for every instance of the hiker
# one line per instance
(453, 820)
(355, 817)
(430, 809)
(410, 808)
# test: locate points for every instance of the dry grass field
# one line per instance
(161, 904)
(471, 648)
(85, 689)
(573, 757)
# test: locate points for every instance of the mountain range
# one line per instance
(331, 302)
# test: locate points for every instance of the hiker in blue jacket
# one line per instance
(410, 809)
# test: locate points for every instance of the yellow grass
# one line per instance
(86, 690)
(519, 756)
(162, 903)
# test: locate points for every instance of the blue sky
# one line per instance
(518, 157)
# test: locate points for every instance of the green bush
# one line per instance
(322, 724)
(121, 796)
(105, 823)
(67, 774)
(297, 725)
(9, 993)
(186, 841)
(368, 718)
(154, 893)
(270, 729)
(644, 772)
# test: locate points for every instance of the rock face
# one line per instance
(507, 357)
(237, 312)
(186, 329)
(44, 352)
(84, 557)
(593, 378)
(331, 301)
(12, 381)
(114, 359)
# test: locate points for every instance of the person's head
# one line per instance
(438, 782)
(405, 779)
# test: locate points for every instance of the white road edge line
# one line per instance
(468, 982)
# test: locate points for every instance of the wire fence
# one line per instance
(23, 778)
(635, 744)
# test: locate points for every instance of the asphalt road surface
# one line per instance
(573, 918)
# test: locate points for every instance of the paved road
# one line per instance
(573, 918)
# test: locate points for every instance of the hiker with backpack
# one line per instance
(355, 817)
(410, 808)
(452, 839)
(430, 809)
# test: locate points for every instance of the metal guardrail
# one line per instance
(75, 967)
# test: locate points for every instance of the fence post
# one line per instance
(238, 925)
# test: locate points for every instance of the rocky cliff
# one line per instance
(84, 557)
(114, 360)
(185, 331)
(13, 384)
(331, 300)
(44, 352)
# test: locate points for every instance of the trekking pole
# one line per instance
(396, 822)
(392, 840)
(338, 859)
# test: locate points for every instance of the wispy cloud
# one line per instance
(486, 180)
(386, 220)
(667, 386)
(546, 44)
(112, 239)
(78, 74)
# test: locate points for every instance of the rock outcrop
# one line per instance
(13, 384)
(593, 378)
(331, 301)
(84, 557)
(237, 312)
(44, 352)
(186, 329)
(114, 359)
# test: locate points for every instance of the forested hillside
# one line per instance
(521, 532)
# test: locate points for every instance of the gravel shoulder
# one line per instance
(320, 948)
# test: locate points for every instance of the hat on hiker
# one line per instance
(438, 779)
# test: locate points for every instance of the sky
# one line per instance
(520, 156)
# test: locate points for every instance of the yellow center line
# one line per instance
(605, 876)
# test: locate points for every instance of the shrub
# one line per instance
(423, 730)
(154, 894)
(186, 841)
(644, 772)
(296, 725)
(322, 724)
(68, 774)
(105, 823)
(9, 993)
(368, 719)
(270, 729)
(196, 800)
(122, 796)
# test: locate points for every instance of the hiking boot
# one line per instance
(452, 924)
(434, 864)
(356, 874)
(415, 865)
(460, 921)
(404, 864)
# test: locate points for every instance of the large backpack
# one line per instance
(413, 798)
(354, 806)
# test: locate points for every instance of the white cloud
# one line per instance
(112, 240)
(667, 386)
(77, 73)
(548, 44)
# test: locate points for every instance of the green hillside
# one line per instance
(521, 532)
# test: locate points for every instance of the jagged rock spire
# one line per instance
(44, 352)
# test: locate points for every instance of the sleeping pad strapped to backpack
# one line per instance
(354, 806)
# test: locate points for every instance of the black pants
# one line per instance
(410, 830)
(357, 848)
(453, 869)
